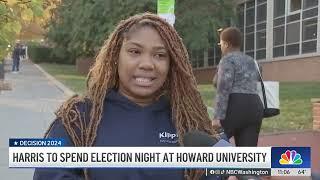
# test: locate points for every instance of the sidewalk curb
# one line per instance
(67, 92)
(288, 132)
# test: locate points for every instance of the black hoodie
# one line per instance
(124, 123)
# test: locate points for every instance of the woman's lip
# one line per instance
(143, 81)
(145, 77)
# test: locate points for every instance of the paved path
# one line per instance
(26, 111)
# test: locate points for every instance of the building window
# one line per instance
(292, 49)
(309, 35)
(295, 27)
(261, 26)
(309, 3)
(261, 1)
(250, 29)
(278, 36)
(293, 17)
(250, 4)
(250, 42)
(250, 17)
(279, 21)
(240, 12)
(310, 13)
(293, 33)
(279, 7)
(309, 29)
(262, 13)
(309, 47)
(261, 40)
(261, 54)
(279, 12)
(278, 51)
(294, 5)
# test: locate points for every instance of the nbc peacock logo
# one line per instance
(290, 158)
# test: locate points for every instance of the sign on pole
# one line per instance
(166, 10)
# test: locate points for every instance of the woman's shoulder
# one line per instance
(235, 55)
(74, 104)
(71, 119)
(236, 58)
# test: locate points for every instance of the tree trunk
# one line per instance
(1, 70)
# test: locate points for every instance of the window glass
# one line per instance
(309, 29)
(293, 32)
(292, 49)
(278, 51)
(278, 36)
(309, 47)
(279, 8)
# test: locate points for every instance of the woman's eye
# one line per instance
(134, 51)
(160, 55)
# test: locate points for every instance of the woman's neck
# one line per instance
(231, 50)
(141, 101)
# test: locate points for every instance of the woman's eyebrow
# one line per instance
(133, 43)
(160, 47)
(156, 47)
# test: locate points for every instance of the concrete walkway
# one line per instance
(26, 111)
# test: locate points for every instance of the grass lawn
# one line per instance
(68, 75)
(294, 98)
(295, 106)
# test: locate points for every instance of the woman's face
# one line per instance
(143, 65)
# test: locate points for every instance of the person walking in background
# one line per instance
(16, 58)
(23, 52)
(238, 108)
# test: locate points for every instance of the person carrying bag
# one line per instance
(269, 95)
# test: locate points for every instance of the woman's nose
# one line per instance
(146, 63)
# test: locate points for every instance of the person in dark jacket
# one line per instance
(238, 108)
(140, 87)
(16, 58)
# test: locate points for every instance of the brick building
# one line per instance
(282, 35)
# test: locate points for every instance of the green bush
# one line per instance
(62, 56)
(41, 54)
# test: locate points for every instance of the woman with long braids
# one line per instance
(140, 89)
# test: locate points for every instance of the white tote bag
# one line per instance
(269, 95)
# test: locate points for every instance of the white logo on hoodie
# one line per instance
(166, 137)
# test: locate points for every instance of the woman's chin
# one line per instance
(144, 92)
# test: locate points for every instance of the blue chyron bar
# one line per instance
(36, 142)
(291, 161)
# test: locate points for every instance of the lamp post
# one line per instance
(1, 69)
